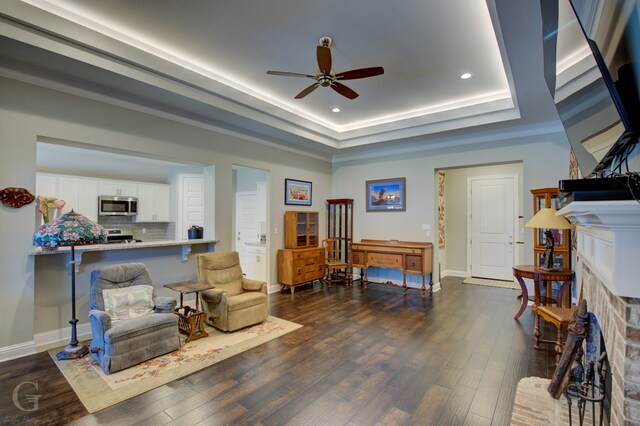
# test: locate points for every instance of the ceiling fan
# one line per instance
(326, 77)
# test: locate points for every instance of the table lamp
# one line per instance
(546, 219)
(71, 229)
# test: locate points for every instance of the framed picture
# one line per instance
(386, 195)
(297, 192)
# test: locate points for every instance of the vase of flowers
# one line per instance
(49, 207)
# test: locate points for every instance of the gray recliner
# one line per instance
(120, 344)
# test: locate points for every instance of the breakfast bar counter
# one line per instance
(184, 244)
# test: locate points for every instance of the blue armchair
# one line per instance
(128, 335)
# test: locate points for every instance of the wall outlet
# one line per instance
(275, 231)
(144, 230)
(426, 227)
(427, 233)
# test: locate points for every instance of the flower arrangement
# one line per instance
(47, 203)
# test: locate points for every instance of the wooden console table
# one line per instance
(408, 257)
(190, 320)
(541, 276)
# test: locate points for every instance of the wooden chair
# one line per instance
(335, 270)
(558, 316)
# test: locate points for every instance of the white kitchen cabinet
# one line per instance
(118, 187)
(261, 188)
(256, 262)
(154, 203)
(80, 194)
(47, 185)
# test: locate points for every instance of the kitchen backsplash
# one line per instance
(154, 231)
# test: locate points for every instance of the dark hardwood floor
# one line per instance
(363, 357)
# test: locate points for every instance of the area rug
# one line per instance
(98, 390)
(534, 406)
(491, 283)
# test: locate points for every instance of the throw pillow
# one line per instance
(128, 302)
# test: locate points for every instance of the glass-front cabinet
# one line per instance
(548, 197)
(301, 229)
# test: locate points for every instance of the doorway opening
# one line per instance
(455, 227)
(250, 206)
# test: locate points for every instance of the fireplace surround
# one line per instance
(608, 266)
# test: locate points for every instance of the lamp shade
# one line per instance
(70, 229)
(546, 218)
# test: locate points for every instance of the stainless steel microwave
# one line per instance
(113, 205)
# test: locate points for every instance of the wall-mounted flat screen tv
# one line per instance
(591, 52)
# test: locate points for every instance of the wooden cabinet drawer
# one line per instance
(311, 253)
(357, 258)
(385, 260)
(310, 268)
(414, 263)
(313, 275)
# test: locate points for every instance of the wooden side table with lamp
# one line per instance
(545, 218)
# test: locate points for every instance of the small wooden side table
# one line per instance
(190, 320)
(546, 277)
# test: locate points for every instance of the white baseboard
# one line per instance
(17, 351)
(273, 288)
(454, 273)
(60, 337)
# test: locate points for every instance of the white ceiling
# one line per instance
(207, 61)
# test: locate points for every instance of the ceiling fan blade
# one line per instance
(360, 73)
(344, 90)
(324, 59)
(306, 91)
(289, 74)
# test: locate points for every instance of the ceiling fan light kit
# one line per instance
(325, 77)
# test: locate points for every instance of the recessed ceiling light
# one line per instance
(335, 109)
(465, 76)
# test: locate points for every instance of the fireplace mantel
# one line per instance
(609, 242)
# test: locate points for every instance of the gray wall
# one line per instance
(544, 158)
(28, 112)
(246, 178)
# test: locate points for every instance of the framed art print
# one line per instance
(386, 195)
(297, 192)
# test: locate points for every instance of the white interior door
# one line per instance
(247, 228)
(492, 217)
(192, 203)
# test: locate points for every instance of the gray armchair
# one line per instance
(119, 344)
(234, 301)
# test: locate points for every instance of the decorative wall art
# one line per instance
(573, 174)
(16, 197)
(573, 165)
(441, 209)
(297, 192)
(386, 195)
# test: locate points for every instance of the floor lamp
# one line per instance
(71, 229)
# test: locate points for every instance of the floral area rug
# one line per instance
(98, 390)
(534, 406)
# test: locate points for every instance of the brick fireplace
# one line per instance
(608, 266)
